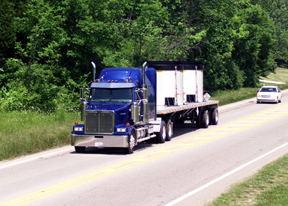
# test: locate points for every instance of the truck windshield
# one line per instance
(111, 95)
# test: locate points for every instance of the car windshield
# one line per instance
(268, 89)
(111, 95)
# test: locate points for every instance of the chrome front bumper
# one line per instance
(95, 141)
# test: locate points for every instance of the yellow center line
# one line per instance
(218, 133)
(145, 158)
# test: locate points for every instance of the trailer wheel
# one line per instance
(80, 149)
(205, 119)
(199, 120)
(131, 143)
(214, 116)
(169, 130)
(161, 136)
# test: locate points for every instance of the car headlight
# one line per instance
(78, 129)
(121, 129)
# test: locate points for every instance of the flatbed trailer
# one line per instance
(161, 110)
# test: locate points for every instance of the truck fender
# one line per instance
(130, 128)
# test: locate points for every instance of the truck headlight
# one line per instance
(121, 129)
(78, 129)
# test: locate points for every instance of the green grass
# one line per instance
(28, 132)
(230, 96)
(280, 75)
(267, 187)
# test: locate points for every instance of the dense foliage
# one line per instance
(46, 46)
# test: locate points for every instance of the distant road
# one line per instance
(195, 167)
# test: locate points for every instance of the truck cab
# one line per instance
(117, 110)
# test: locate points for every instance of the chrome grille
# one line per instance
(99, 122)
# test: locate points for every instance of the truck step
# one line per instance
(146, 138)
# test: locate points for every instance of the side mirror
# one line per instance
(84, 103)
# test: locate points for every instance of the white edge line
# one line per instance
(31, 159)
(222, 177)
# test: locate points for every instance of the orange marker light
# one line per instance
(76, 123)
(127, 124)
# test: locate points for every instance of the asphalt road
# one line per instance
(192, 169)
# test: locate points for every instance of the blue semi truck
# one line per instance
(127, 106)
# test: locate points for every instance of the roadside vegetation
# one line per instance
(31, 131)
(268, 187)
(46, 46)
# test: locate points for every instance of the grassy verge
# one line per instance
(230, 96)
(267, 187)
(281, 75)
(28, 132)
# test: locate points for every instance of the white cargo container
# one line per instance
(178, 83)
(180, 93)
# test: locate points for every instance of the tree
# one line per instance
(253, 52)
(7, 28)
(278, 12)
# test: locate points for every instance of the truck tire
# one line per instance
(214, 116)
(80, 149)
(161, 136)
(205, 119)
(169, 130)
(131, 143)
(199, 120)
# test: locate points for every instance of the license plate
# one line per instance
(99, 144)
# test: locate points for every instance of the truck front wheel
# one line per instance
(161, 136)
(131, 144)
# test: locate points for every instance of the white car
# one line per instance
(269, 94)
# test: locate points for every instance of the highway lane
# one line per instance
(156, 174)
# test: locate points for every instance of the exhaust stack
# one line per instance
(94, 71)
(143, 71)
